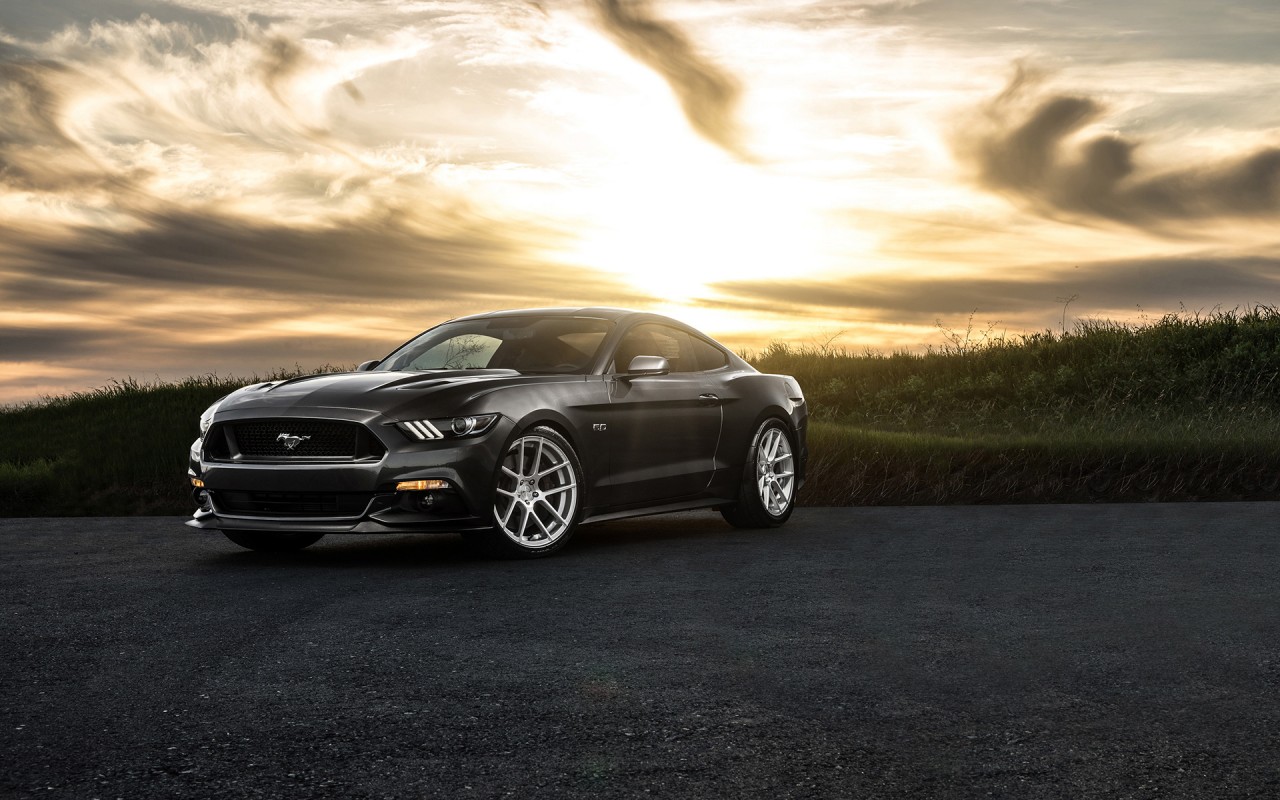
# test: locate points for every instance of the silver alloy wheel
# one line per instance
(537, 492)
(775, 471)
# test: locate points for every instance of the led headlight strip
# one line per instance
(420, 429)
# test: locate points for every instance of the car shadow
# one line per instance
(644, 531)
(408, 551)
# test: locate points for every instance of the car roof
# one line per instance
(611, 313)
(597, 312)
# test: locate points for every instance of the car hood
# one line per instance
(376, 391)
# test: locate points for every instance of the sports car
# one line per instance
(512, 428)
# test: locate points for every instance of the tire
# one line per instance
(537, 499)
(273, 542)
(767, 493)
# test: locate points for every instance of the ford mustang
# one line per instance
(512, 428)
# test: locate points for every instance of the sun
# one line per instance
(674, 230)
(662, 208)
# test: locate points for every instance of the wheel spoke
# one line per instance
(524, 521)
(551, 470)
(538, 520)
(559, 489)
(507, 516)
(559, 519)
(508, 470)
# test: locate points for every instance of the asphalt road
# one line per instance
(1021, 651)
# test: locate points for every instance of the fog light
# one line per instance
(421, 486)
(202, 499)
(196, 482)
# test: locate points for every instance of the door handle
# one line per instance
(709, 399)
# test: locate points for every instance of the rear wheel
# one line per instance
(273, 542)
(767, 493)
(537, 497)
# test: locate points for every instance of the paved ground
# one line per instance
(1033, 651)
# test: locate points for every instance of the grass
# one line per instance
(858, 466)
(119, 449)
(1222, 369)
(1183, 408)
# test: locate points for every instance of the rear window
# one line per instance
(709, 356)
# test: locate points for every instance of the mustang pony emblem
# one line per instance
(291, 441)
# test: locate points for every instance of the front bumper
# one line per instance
(354, 496)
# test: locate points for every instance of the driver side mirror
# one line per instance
(647, 365)
(368, 365)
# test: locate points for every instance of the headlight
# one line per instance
(793, 390)
(447, 427)
(206, 419)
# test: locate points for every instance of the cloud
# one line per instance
(149, 156)
(1196, 281)
(1036, 148)
(28, 343)
(380, 256)
(91, 344)
(708, 94)
(1082, 30)
(37, 153)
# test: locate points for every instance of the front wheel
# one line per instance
(537, 497)
(273, 542)
(767, 493)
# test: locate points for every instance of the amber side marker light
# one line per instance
(421, 486)
(196, 482)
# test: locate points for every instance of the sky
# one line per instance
(217, 186)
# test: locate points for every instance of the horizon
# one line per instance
(213, 186)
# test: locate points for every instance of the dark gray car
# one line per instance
(511, 428)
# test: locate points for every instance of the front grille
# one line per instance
(311, 439)
(283, 504)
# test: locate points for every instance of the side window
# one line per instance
(651, 339)
(709, 356)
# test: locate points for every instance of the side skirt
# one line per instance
(684, 505)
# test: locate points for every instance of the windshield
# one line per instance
(526, 344)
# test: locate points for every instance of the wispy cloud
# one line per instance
(1031, 290)
(708, 93)
(163, 158)
(1036, 147)
(377, 256)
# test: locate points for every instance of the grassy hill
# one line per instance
(1183, 408)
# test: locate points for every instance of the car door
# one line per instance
(662, 429)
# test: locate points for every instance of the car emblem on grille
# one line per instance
(291, 441)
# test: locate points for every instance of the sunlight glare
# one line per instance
(673, 229)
